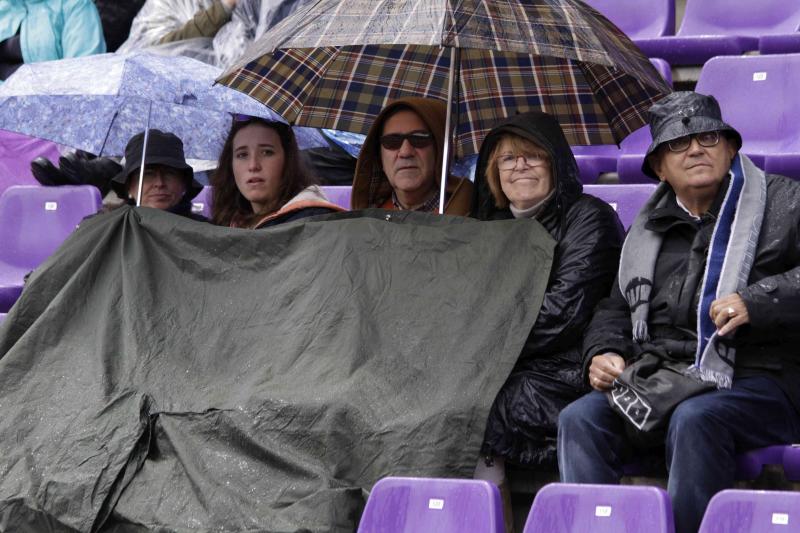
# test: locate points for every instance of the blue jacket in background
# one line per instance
(52, 29)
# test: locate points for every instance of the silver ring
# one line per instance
(731, 311)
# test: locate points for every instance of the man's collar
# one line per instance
(674, 212)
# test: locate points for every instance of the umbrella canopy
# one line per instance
(97, 103)
(336, 64)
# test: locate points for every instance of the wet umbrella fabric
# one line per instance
(97, 103)
(336, 64)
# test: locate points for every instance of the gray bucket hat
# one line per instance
(684, 113)
(163, 148)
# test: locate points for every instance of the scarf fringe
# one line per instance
(706, 375)
(640, 331)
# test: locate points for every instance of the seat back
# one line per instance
(201, 204)
(752, 511)
(34, 221)
(758, 97)
(573, 508)
(627, 200)
(338, 194)
(639, 19)
(406, 505)
(740, 17)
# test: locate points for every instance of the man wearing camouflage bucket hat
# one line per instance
(695, 350)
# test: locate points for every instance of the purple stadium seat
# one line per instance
(201, 204)
(598, 159)
(639, 19)
(34, 221)
(750, 464)
(791, 462)
(758, 97)
(788, 43)
(627, 200)
(631, 155)
(723, 27)
(406, 505)
(752, 511)
(573, 508)
(338, 194)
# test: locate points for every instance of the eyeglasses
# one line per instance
(705, 138)
(509, 161)
(394, 141)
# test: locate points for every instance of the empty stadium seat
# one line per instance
(406, 505)
(758, 97)
(338, 194)
(639, 19)
(750, 464)
(779, 44)
(627, 200)
(599, 159)
(34, 221)
(723, 27)
(201, 204)
(574, 508)
(752, 511)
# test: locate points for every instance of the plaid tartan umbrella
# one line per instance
(335, 64)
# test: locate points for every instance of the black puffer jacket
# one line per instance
(522, 423)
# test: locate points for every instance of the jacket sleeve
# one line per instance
(610, 329)
(586, 260)
(773, 302)
(82, 34)
(205, 23)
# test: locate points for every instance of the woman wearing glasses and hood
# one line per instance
(526, 169)
(400, 163)
(261, 180)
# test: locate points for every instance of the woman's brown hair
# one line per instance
(228, 204)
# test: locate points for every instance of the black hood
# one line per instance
(545, 131)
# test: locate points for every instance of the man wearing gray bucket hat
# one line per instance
(169, 182)
(695, 351)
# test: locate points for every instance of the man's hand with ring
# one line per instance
(603, 369)
(728, 313)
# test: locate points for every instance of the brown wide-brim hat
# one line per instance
(684, 113)
(163, 148)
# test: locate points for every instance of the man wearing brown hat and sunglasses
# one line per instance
(400, 162)
(695, 351)
(169, 182)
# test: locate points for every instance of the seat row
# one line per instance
(758, 96)
(404, 505)
(709, 27)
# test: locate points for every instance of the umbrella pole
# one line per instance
(144, 153)
(451, 122)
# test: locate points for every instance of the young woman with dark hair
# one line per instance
(261, 180)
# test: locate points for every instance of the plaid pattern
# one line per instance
(557, 56)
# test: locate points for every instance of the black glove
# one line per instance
(47, 173)
(84, 168)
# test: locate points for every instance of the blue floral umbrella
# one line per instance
(97, 103)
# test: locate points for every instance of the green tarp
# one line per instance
(159, 374)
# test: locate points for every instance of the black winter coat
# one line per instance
(768, 344)
(523, 421)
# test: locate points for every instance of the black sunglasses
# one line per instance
(394, 141)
